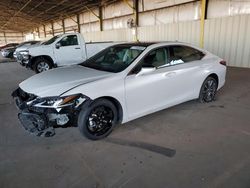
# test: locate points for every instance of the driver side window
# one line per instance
(69, 40)
(156, 58)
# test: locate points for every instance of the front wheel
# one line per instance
(10, 55)
(98, 120)
(208, 90)
(41, 65)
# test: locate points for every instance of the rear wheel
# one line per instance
(208, 90)
(41, 65)
(98, 120)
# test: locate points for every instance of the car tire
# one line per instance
(41, 65)
(98, 119)
(208, 90)
(10, 55)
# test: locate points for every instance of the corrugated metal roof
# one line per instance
(24, 15)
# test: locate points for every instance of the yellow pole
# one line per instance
(203, 12)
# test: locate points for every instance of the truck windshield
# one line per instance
(116, 58)
(50, 41)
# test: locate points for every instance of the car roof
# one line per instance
(156, 44)
(146, 44)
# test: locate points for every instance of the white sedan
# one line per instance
(119, 84)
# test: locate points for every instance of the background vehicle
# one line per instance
(119, 84)
(8, 52)
(24, 47)
(8, 45)
(61, 50)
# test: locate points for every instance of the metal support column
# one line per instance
(100, 18)
(63, 25)
(44, 30)
(5, 39)
(136, 12)
(78, 23)
(52, 28)
(202, 24)
(38, 32)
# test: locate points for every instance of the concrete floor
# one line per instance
(191, 145)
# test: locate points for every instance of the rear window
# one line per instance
(182, 54)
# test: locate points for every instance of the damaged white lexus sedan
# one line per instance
(117, 85)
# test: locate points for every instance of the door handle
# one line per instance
(169, 74)
(77, 48)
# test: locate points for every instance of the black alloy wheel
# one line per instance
(98, 120)
(208, 90)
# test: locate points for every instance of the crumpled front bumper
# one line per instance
(36, 124)
(33, 121)
(24, 62)
(42, 121)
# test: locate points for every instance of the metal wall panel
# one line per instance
(182, 31)
(109, 35)
(154, 4)
(222, 8)
(88, 16)
(229, 38)
(186, 12)
(10, 36)
(117, 9)
(90, 27)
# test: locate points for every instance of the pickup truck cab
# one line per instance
(60, 50)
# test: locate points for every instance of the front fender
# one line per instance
(107, 88)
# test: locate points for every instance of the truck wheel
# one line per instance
(98, 120)
(10, 55)
(41, 65)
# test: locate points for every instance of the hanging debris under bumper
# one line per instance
(39, 116)
(36, 124)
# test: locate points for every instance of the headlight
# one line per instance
(25, 54)
(59, 102)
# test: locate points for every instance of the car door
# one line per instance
(187, 61)
(148, 92)
(169, 84)
(68, 51)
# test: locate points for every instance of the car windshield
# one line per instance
(116, 58)
(50, 41)
(24, 43)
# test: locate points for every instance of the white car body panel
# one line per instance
(138, 95)
(24, 47)
(68, 55)
(60, 80)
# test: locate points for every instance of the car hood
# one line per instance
(26, 47)
(9, 48)
(57, 81)
(22, 48)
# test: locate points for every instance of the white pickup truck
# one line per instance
(61, 50)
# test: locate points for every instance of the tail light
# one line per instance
(223, 63)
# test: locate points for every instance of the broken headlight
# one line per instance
(60, 102)
(25, 54)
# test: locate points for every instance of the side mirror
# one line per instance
(58, 45)
(146, 70)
